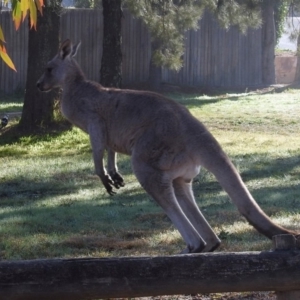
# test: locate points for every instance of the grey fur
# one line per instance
(166, 143)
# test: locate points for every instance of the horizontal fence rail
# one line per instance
(213, 56)
(93, 278)
(81, 279)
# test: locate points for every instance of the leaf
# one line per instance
(13, 4)
(33, 14)
(1, 35)
(17, 15)
(6, 58)
(40, 4)
(24, 8)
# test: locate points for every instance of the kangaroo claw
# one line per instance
(117, 179)
(111, 193)
(108, 184)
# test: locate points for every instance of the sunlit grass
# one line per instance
(53, 205)
(67, 143)
(9, 104)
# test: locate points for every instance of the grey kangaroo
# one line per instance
(166, 143)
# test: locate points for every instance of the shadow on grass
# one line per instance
(218, 95)
(129, 215)
(13, 134)
(25, 189)
(22, 191)
(198, 101)
(64, 183)
(262, 168)
(277, 167)
(123, 227)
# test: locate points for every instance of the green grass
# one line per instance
(10, 104)
(52, 204)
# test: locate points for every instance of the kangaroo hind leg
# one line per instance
(162, 191)
(184, 194)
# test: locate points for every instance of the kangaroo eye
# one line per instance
(49, 70)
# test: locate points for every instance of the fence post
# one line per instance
(285, 242)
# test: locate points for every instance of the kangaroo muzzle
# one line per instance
(38, 85)
(42, 87)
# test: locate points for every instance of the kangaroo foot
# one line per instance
(190, 249)
(212, 247)
(108, 184)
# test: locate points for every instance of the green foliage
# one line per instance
(294, 7)
(167, 21)
(243, 14)
(281, 9)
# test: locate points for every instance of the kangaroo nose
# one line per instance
(38, 84)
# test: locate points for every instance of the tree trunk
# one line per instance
(111, 63)
(268, 42)
(297, 75)
(42, 46)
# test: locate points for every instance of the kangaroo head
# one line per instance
(61, 66)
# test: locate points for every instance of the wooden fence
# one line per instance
(96, 278)
(213, 56)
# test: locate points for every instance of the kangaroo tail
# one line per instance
(217, 162)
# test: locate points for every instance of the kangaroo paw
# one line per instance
(117, 179)
(108, 184)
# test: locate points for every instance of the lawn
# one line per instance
(52, 204)
(11, 103)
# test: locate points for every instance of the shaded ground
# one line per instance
(219, 296)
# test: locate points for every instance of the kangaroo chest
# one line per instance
(74, 114)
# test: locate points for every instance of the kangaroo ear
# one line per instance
(75, 48)
(65, 49)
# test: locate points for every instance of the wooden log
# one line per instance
(292, 295)
(144, 276)
(285, 242)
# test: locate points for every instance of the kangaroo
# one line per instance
(166, 143)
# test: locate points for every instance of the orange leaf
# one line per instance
(17, 15)
(17, 23)
(33, 14)
(40, 4)
(2, 48)
(6, 58)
